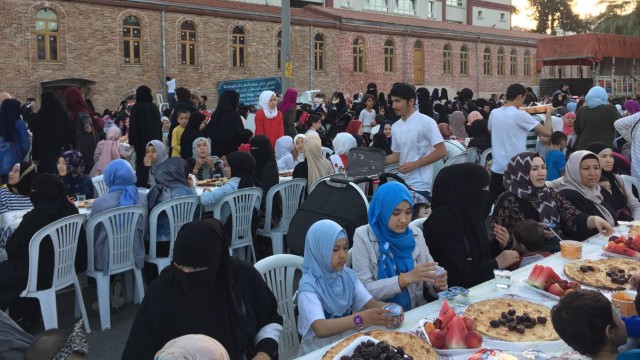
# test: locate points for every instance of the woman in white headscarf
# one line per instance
(268, 119)
(342, 143)
(156, 154)
(298, 148)
(201, 347)
(284, 153)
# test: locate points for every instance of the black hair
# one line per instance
(515, 90)
(365, 98)
(403, 91)
(204, 97)
(530, 234)
(182, 110)
(31, 99)
(379, 119)
(166, 112)
(529, 98)
(247, 135)
(416, 209)
(557, 137)
(168, 78)
(183, 94)
(581, 318)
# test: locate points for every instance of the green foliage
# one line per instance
(550, 14)
(620, 17)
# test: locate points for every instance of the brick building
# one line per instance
(121, 44)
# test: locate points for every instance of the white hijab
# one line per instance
(265, 96)
(343, 142)
(193, 347)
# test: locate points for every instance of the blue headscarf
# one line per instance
(119, 176)
(572, 106)
(595, 97)
(335, 289)
(401, 246)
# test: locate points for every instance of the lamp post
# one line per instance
(285, 54)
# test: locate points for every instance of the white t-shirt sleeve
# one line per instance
(527, 121)
(395, 146)
(309, 310)
(433, 133)
(362, 296)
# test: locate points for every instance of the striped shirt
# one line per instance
(11, 202)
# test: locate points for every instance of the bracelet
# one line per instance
(401, 281)
(263, 353)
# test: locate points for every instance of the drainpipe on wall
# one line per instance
(164, 55)
(312, 45)
(478, 68)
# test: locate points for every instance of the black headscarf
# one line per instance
(208, 295)
(617, 198)
(48, 195)
(190, 133)
(51, 132)
(444, 95)
(144, 123)
(380, 142)
(443, 116)
(460, 189)
(266, 174)
(242, 166)
(9, 114)
(227, 102)
(170, 173)
(143, 94)
(27, 174)
(225, 129)
(425, 105)
(435, 95)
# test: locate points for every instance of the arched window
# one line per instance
(188, 43)
(318, 52)
(500, 62)
(447, 65)
(388, 56)
(238, 47)
(279, 50)
(418, 62)
(486, 59)
(513, 63)
(527, 63)
(464, 61)
(132, 40)
(358, 55)
(47, 35)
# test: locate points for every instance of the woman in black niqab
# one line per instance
(205, 291)
(52, 133)
(144, 124)
(225, 129)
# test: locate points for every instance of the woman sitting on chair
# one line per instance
(202, 164)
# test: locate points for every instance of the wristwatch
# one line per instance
(357, 319)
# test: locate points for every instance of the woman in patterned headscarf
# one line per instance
(528, 197)
(71, 168)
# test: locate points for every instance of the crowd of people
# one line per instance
(549, 177)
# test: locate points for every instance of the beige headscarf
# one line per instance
(200, 347)
(318, 166)
(571, 180)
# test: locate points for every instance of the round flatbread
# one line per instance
(485, 311)
(412, 344)
(598, 278)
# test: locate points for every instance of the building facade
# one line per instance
(122, 44)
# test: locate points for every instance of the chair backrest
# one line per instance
(483, 157)
(631, 182)
(120, 224)
(241, 203)
(330, 176)
(437, 166)
(98, 183)
(349, 262)
(458, 159)
(291, 195)
(64, 235)
(326, 152)
(180, 211)
(279, 271)
(159, 99)
(472, 154)
(418, 222)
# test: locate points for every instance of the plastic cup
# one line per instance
(396, 313)
(570, 249)
(623, 303)
(81, 198)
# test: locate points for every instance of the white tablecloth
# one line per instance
(592, 249)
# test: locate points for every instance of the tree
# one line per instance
(619, 17)
(551, 14)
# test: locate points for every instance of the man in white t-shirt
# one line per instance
(417, 142)
(509, 127)
(171, 91)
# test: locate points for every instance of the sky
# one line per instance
(525, 18)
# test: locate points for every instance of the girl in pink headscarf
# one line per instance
(569, 118)
(108, 150)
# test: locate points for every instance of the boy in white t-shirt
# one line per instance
(171, 91)
(509, 127)
(417, 142)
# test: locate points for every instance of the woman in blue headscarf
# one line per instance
(390, 256)
(594, 122)
(120, 178)
(332, 302)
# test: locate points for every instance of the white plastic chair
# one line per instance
(64, 236)
(472, 154)
(458, 159)
(101, 187)
(242, 203)
(326, 152)
(349, 262)
(120, 225)
(291, 194)
(180, 211)
(279, 273)
(483, 157)
(418, 222)
(631, 182)
(161, 104)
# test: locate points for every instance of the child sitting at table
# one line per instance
(421, 211)
(586, 321)
(332, 302)
(528, 240)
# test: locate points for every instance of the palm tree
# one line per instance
(619, 17)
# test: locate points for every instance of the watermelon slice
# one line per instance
(445, 308)
(456, 333)
(447, 318)
(543, 277)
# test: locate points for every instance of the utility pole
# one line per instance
(285, 54)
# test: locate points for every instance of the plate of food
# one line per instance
(544, 280)
(285, 173)
(212, 182)
(85, 203)
(536, 109)
(412, 346)
(513, 320)
(609, 274)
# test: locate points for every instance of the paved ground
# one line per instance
(103, 345)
